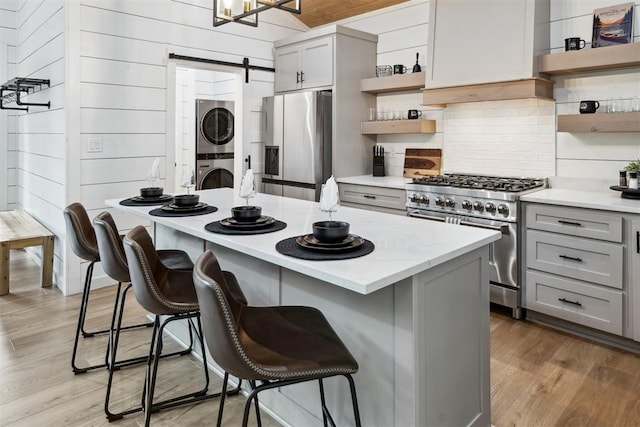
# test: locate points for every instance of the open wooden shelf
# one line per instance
(395, 83)
(601, 58)
(512, 89)
(398, 126)
(588, 123)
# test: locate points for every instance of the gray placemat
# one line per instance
(217, 227)
(161, 212)
(291, 248)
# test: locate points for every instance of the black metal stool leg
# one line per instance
(113, 322)
(257, 404)
(354, 399)
(203, 352)
(152, 371)
(114, 366)
(222, 398)
(323, 402)
(155, 354)
(81, 318)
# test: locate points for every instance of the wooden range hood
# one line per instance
(534, 87)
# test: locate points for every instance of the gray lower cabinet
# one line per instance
(382, 199)
(575, 267)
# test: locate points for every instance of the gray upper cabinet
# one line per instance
(305, 65)
(484, 41)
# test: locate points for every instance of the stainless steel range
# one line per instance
(480, 201)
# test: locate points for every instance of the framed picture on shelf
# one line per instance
(612, 25)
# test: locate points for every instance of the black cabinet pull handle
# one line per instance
(301, 76)
(297, 76)
(577, 224)
(638, 242)
(368, 196)
(570, 257)
(570, 302)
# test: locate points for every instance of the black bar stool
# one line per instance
(114, 263)
(169, 293)
(83, 243)
(277, 346)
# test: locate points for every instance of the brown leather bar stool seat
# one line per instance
(114, 263)
(277, 346)
(169, 293)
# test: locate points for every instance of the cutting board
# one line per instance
(422, 162)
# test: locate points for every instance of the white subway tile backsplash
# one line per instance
(500, 137)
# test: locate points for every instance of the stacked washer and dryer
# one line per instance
(214, 143)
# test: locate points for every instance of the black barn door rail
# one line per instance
(244, 64)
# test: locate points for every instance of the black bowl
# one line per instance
(331, 231)
(186, 199)
(151, 191)
(246, 213)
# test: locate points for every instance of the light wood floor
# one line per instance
(539, 377)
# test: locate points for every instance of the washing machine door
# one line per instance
(215, 174)
(217, 126)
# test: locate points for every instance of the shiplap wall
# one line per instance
(108, 65)
(124, 79)
(402, 32)
(37, 137)
(591, 155)
(8, 144)
(509, 137)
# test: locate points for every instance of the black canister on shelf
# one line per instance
(623, 178)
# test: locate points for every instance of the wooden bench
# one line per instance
(19, 230)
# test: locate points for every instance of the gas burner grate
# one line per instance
(479, 182)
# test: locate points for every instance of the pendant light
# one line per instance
(246, 11)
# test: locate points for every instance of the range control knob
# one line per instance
(467, 205)
(439, 201)
(424, 200)
(490, 207)
(450, 203)
(478, 206)
(503, 209)
(414, 198)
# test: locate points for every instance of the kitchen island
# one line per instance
(414, 312)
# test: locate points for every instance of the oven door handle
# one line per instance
(501, 228)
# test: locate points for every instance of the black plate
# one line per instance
(162, 198)
(356, 243)
(259, 221)
(311, 240)
(263, 221)
(172, 207)
(627, 193)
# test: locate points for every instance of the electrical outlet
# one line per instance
(94, 145)
(392, 153)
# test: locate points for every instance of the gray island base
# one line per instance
(414, 312)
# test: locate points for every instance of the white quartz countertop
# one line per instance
(403, 246)
(609, 200)
(376, 181)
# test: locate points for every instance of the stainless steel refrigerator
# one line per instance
(297, 152)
